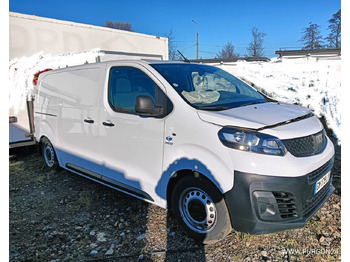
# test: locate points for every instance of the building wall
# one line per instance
(314, 55)
(311, 58)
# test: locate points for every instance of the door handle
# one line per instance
(89, 120)
(108, 123)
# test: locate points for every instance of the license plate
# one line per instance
(322, 182)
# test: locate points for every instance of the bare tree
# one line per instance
(172, 47)
(311, 37)
(119, 25)
(334, 37)
(256, 48)
(228, 51)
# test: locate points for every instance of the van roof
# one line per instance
(145, 61)
(109, 63)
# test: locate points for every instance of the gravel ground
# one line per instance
(59, 216)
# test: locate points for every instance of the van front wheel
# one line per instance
(49, 154)
(201, 210)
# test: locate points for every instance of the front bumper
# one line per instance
(264, 204)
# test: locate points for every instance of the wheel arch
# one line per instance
(192, 160)
(40, 144)
(181, 174)
(54, 158)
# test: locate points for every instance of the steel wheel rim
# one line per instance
(197, 210)
(49, 154)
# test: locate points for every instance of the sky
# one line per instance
(218, 21)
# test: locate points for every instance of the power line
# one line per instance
(207, 52)
(183, 41)
(211, 45)
(188, 47)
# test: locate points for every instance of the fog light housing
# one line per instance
(267, 209)
(266, 206)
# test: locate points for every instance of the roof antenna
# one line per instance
(185, 59)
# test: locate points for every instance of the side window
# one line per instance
(127, 83)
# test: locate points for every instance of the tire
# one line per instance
(48, 152)
(201, 210)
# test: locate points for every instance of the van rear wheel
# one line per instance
(49, 154)
(201, 210)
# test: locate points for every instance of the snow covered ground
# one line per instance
(314, 84)
(309, 83)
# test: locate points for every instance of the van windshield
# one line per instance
(207, 87)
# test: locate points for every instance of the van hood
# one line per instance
(258, 116)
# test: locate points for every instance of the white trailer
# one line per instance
(30, 34)
(38, 43)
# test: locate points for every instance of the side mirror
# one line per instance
(145, 105)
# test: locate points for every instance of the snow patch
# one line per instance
(22, 70)
(313, 84)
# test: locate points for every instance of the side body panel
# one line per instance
(131, 145)
(78, 106)
(46, 110)
(65, 100)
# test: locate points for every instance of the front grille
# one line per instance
(286, 204)
(313, 176)
(313, 202)
(307, 145)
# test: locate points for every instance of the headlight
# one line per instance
(246, 140)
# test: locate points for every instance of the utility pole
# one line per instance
(197, 36)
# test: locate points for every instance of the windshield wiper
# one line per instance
(287, 122)
(253, 103)
(213, 108)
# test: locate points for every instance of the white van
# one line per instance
(189, 137)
